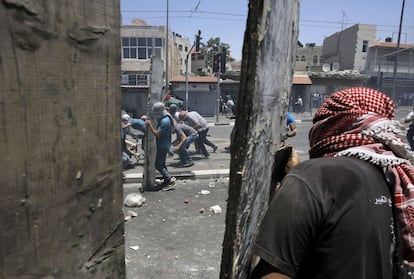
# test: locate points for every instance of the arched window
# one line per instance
(303, 58)
(297, 58)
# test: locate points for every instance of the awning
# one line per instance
(302, 79)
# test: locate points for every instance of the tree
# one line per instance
(213, 46)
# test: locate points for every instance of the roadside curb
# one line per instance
(195, 174)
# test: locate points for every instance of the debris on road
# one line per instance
(216, 209)
(134, 200)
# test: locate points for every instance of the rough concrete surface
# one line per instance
(175, 235)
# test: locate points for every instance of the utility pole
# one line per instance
(166, 53)
(186, 78)
(218, 98)
(394, 77)
(216, 69)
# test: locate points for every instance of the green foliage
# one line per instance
(212, 46)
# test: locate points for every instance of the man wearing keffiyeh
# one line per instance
(351, 207)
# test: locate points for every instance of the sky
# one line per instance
(226, 19)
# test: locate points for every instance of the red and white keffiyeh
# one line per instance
(359, 122)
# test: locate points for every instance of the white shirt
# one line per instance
(410, 116)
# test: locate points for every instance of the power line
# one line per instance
(193, 17)
(191, 11)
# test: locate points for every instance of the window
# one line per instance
(364, 46)
(141, 48)
(315, 60)
(180, 47)
(135, 80)
(303, 58)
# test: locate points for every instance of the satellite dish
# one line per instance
(335, 67)
(326, 67)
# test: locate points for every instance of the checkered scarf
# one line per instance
(359, 122)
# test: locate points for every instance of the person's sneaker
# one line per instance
(179, 165)
(170, 184)
(215, 148)
(128, 166)
(188, 164)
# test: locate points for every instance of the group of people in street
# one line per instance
(189, 127)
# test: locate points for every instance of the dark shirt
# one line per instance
(331, 218)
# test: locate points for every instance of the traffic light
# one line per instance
(223, 60)
(197, 42)
(216, 63)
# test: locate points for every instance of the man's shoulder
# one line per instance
(193, 113)
(337, 171)
(332, 162)
(166, 120)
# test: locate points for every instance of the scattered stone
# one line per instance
(201, 210)
(216, 209)
(134, 200)
(204, 192)
(136, 247)
(187, 200)
(211, 184)
(132, 213)
(100, 202)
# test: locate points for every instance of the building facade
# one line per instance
(139, 42)
(348, 49)
(380, 66)
(309, 58)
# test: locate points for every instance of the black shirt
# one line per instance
(331, 218)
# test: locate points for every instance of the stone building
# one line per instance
(309, 58)
(139, 43)
(348, 49)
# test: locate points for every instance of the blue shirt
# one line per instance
(290, 119)
(138, 124)
(164, 128)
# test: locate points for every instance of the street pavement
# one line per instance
(217, 165)
(179, 233)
